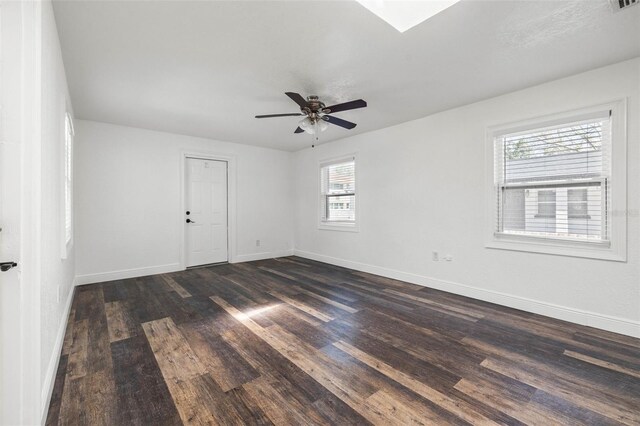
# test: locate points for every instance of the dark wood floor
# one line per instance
(292, 341)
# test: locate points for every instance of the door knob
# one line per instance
(190, 221)
(188, 212)
(5, 266)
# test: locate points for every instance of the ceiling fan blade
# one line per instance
(298, 130)
(297, 98)
(293, 114)
(339, 122)
(345, 106)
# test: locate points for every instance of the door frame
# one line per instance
(231, 201)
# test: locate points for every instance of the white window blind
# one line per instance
(554, 181)
(68, 182)
(338, 192)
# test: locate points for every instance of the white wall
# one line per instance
(57, 275)
(128, 207)
(421, 189)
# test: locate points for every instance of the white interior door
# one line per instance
(20, 386)
(205, 215)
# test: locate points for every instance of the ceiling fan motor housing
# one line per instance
(314, 100)
(314, 108)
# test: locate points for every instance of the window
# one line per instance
(68, 183)
(556, 184)
(556, 166)
(578, 203)
(546, 204)
(338, 194)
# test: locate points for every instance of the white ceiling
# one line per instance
(206, 68)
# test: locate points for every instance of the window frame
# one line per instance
(67, 152)
(615, 249)
(348, 226)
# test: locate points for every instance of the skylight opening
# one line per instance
(406, 14)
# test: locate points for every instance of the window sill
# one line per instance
(338, 226)
(559, 247)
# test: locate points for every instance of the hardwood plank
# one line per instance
(313, 335)
(222, 362)
(142, 394)
(303, 316)
(603, 364)
(200, 401)
(302, 306)
(88, 396)
(68, 334)
(98, 345)
(338, 413)
(115, 290)
(196, 401)
(438, 306)
(78, 352)
(338, 305)
(281, 409)
(247, 407)
(176, 287)
(119, 322)
(175, 357)
(384, 407)
(100, 402)
(278, 273)
(72, 404)
(290, 260)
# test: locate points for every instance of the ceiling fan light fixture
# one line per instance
(314, 127)
(305, 124)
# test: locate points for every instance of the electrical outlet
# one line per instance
(257, 243)
(448, 258)
(435, 256)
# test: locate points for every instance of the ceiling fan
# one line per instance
(317, 114)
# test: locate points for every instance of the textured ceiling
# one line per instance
(206, 68)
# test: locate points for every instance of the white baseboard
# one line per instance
(52, 367)
(260, 256)
(127, 273)
(577, 316)
(171, 267)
